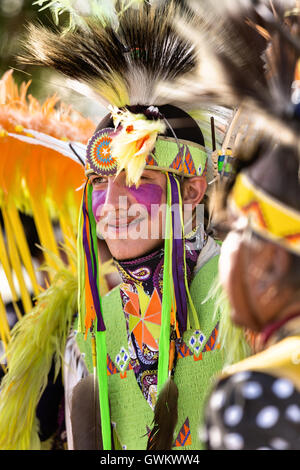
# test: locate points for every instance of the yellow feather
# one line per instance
(23, 246)
(7, 268)
(37, 339)
(4, 326)
(116, 94)
(68, 234)
(16, 262)
(134, 142)
(44, 228)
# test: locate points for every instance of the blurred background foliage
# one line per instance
(14, 16)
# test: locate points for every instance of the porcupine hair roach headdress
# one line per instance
(121, 66)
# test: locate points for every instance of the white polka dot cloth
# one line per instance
(253, 411)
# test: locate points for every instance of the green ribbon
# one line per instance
(167, 298)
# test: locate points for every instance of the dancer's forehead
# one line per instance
(157, 176)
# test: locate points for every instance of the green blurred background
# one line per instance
(14, 15)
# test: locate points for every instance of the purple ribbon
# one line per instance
(178, 259)
(92, 273)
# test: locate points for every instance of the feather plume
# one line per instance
(134, 142)
(29, 361)
(120, 66)
(85, 415)
(79, 11)
(165, 418)
(253, 50)
(104, 10)
(231, 337)
(74, 370)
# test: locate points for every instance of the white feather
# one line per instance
(52, 143)
(74, 371)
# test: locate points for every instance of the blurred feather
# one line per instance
(39, 138)
(85, 415)
(221, 34)
(78, 11)
(165, 418)
(74, 371)
(231, 337)
(250, 52)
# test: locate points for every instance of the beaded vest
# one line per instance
(132, 394)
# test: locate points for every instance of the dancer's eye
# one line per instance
(96, 180)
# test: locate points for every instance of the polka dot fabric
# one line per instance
(253, 411)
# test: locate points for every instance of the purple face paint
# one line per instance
(147, 195)
(98, 199)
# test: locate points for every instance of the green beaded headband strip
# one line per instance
(183, 158)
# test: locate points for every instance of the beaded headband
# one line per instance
(267, 216)
(189, 159)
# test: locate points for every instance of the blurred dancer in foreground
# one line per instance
(256, 402)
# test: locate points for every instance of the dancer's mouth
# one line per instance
(123, 225)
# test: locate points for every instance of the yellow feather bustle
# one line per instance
(134, 142)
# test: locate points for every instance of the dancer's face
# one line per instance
(130, 219)
(252, 272)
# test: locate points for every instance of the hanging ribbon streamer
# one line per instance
(176, 295)
(91, 257)
(178, 256)
(193, 313)
(167, 298)
(92, 295)
(101, 355)
(81, 298)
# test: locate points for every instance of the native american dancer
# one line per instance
(138, 360)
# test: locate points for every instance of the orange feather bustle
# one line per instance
(37, 180)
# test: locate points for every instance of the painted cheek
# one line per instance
(147, 195)
(98, 200)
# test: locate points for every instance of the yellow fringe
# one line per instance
(16, 262)
(4, 326)
(22, 245)
(37, 339)
(7, 268)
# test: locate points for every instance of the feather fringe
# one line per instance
(232, 338)
(134, 142)
(44, 192)
(85, 415)
(74, 370)
(37, 339)
(252, 51)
